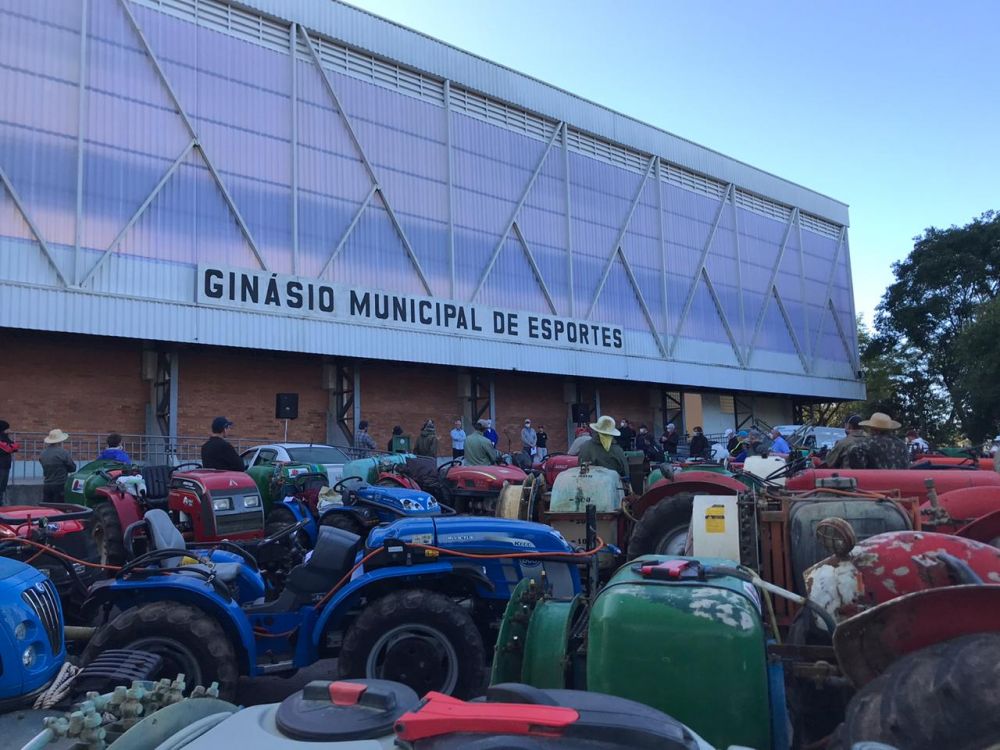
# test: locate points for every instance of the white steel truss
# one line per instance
(5, 181)
(194, 143)
(827, 303)
(376, 183)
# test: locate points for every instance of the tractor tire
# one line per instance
(187, 639)
(663, 527)
(106, 531)
(946, 695)
(278, 519)
(345, 522)
(420, 638)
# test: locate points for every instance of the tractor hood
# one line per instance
(411, 502)
(472, 534)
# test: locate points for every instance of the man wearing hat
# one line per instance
(850, 452)
(479, 451)
(56, 466)
(217, 452)
(602, 450)
(885, 450)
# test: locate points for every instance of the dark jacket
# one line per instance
(594, 453)
(644, 442)
(56, 465)
(217, 453)
(669, 442)
(626, 438)
(543, 439)
(700, 447)
(7, 449)
(427, 443)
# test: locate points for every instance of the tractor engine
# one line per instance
(212, 505)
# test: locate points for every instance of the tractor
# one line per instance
(416, 601)
(280, 479)
(207, 505)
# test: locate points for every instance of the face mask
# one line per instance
(605, 441)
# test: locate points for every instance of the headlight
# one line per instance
(409, 505)
(21, 631)
(28, 657)
(222, 503)
(251, 501)
(431, 502)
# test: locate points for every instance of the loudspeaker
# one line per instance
(286, 406)
(581, 413)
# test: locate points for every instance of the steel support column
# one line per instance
(448, 137)
(663, 246)
(569, 222)
(293, 44)
(80, 114)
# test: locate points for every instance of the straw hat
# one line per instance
(605, 425)
(56, 436)
(880, 421)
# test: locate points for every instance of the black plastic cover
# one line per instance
(311, 716)
(116, 667)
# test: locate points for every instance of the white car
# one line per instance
(811, 436)
(329, 457)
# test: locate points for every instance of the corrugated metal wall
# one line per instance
(708, 272)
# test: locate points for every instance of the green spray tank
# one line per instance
(279, 479)
(674, 633)
(82, 484)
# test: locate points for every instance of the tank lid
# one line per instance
(345, 710)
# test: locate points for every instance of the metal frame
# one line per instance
(81, 102)
(377, 184)
(5, 180)
(449, 137)
(513, 219)
(620, 253)
(827, 303)
(344, 403)
(663, 245)
(293, 43)
(195, 142)
(569, 223)
(672, 411)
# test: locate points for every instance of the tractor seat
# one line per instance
(157, 479)
(332, 557)
(164, 535)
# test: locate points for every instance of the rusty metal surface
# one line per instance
(985, 529)
(869, 642)
(965, 504)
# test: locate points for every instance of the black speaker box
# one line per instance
(286, 406)
(581, 413)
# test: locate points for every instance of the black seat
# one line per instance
(332, 557)
(157, 479)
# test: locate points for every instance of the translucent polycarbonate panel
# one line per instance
(39, 79)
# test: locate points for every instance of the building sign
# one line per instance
(260, 291)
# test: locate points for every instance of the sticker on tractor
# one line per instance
(77, 485)
(715, 519)
(296, 472)
(421, 539)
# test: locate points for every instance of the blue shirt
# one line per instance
(114, 454)
(780, 445)
(492, 436)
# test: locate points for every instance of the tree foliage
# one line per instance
(942, 288)
(978, 382)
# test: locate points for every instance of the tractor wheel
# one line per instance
(106, 531)
(345, 522)
(663, 529)
(420, 638)
(945, 695)
(188, 640)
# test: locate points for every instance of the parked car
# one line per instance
(810, 436)
(329, 457)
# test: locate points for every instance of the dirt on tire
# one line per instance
(106, 520)
(659, 521)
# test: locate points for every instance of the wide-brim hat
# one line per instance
(56, 436)
(880, 421)
(605, 426)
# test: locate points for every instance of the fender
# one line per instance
(302, 513)
(967, 504)
(185, 589)
(984, 529)
(868, 643)
(335, 609)
(125, 505)
(696, 482)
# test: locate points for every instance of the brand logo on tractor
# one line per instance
(233, 483)
(77, 485)
(188, 502)
(40, 587)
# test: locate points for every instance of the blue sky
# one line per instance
(891, 107)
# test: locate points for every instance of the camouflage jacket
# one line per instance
(887, 452)
(849, 452)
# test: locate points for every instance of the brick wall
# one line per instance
(75, 383)
(629, 401)
(520, 396)
(241, 384)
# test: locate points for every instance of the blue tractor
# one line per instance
(31, 633)
(417, 602)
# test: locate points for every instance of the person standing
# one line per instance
(542, 442)
(114, 451)
(885, 450)
(8, 447)
(397, 431)
(582, 438)
(699, 447)
(529, 439)
(56, 466)
(479, 451)
(457, 440)
(217, 452)
(363, 442)
(627, 437)
(602, 450)
(779, 446)
(644, 442)
(732, 441)
(491, 434)
(850, 452)
(427, 443)
(669, 439)
(916, 444)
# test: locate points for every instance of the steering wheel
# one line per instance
(339, 488)
(185, 465)
(443, 468)
(282, 533)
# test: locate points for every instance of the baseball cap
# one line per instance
(220, 423)
(854, 420)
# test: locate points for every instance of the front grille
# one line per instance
(233, 523)
(44, 602)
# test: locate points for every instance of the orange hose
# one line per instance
(45, 548)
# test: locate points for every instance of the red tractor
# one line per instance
(470, 490)
(207, 505)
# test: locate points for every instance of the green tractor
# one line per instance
(281, 479)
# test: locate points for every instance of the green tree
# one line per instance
(978, 381)
(940, 289)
